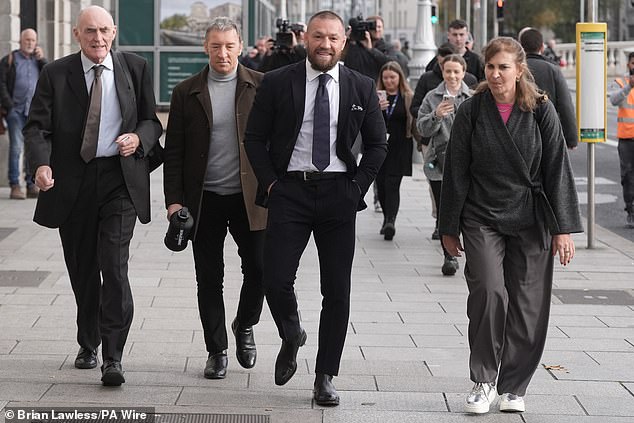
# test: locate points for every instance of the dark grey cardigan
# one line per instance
(509, 177)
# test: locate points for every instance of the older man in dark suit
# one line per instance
(303, 123)
(91, 126)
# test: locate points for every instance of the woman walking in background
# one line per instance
(435, 119)
(508, 188)
(398, 162)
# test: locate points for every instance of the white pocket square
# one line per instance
(356, 108)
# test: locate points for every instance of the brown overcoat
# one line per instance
(187, 144)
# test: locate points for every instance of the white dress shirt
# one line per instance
(302, 157)
(110, 123)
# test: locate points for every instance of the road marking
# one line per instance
(598, 198)
(583, 180)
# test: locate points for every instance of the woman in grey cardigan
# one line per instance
(435, 118)
(508, 188)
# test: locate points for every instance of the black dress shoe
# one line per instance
(86, 359)
(389, 230)
(245, 345)
(112, 373)
(324, 392)
(286, 363)
(216, 367)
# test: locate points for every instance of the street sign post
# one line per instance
(591, 99)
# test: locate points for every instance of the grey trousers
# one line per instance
(510, 280)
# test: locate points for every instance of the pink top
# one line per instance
(505, 110)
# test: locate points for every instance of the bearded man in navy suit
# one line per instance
(299, 137)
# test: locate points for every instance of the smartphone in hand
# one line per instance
(382, 95)
(451, 99)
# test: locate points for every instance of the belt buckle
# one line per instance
(304, 173)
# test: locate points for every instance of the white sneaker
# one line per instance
(480, 398)
(512, 403)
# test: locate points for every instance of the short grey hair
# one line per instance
(223, 23)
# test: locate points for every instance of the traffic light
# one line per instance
(434, 13)
(499, 8)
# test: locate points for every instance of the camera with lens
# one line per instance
(358, 27)
(284, 36)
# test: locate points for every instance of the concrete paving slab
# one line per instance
(427, 383)
(428, 317)
(380, 367)
(363, 416)
(124, 395)
(611, 358)
(617, 322)
(41, 347)
(343, 382)
(7, 345)
(540, 418)
(597, 333)
(587, 344)
(458, 355)
(402, 401)
(21, 391)
(379, 340)
(607, 406)
(550, 386)
(275, 397)
(409, 328)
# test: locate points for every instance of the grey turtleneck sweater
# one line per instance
(223, 162)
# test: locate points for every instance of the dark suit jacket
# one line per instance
(549, 78)
(276, 118)
(187, 144)
(53, 132)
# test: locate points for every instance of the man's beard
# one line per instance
(320, 66)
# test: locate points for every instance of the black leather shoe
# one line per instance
(286, 363)
(86, 359)
(245, 345)
(216, 367)
(112, 373)
(389, 230)
(324, 392)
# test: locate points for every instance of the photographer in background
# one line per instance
(19, 72)
(366, 50)
(286, 49)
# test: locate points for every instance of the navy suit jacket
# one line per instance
(276, 118)
(54, 129)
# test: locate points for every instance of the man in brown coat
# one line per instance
(206, 170)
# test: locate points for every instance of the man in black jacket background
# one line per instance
(549, 78)
(457, 34)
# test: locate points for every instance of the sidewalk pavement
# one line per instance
(406, 355)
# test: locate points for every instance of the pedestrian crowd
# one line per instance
(284, 143)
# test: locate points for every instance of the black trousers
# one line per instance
(389, 192)
(327, 209)
(626, 159)
(219, 213)
(436, 187)
(96, 242)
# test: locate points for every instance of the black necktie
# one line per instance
(91, 130)
(321, 125)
